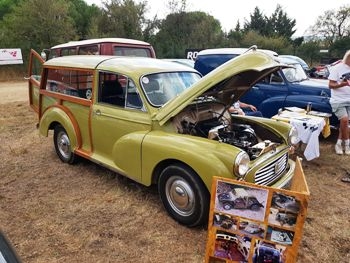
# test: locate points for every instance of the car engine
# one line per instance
(214, 125)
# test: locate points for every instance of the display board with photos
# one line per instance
(252, 223)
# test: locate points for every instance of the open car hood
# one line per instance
(227, 83)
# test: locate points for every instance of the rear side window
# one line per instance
(206, 63)
(131, 51)
(76, 83)
(88, 50)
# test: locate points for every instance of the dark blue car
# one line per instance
(288, 87)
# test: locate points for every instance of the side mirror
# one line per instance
(7, 253)
(45, 54)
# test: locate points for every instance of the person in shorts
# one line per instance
(339, 83)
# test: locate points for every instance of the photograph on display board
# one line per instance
(251, 228)
(268, 252)
(225, 221)
(242, 201)
(284, 210)
(280, 235)
(232, 246)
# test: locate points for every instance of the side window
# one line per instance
(133, 99)
(111, 89)
(68, 51)
(88, 50)
(131, 51)
(76, 83)
(276, 78)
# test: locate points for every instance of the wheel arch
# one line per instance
(59, 115)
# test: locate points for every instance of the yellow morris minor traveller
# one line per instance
(159, 122)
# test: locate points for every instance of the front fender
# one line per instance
(60, 115)
(207, 158)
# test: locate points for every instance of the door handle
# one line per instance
(97, 112)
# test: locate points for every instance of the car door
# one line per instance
(34, 80)
(268, 95)
(117, 126)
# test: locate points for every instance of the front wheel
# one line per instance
(63, 145)
(184, 195)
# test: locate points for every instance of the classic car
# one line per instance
(288, 87)
(101, 46)
(267, 253)
(239, 198)
(159, 122)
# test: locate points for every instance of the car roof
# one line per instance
(101, 40)
(296, 58)
(288, 61)
(231, 51)
(122, 64)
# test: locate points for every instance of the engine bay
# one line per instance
(213, 121)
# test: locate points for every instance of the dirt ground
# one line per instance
(54, 212)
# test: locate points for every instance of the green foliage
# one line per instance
(277, 43)
(179, 31)
(122, 18)
(277, 25)
(6, 6)
(82, 15)
(310, 52)
(280, 25)
(258, 23)
(41, 24)
(339, 47)
(32, 24)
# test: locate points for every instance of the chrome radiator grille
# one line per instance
(271, 172)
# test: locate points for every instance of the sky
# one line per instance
(228, 12)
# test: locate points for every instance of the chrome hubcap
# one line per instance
(63, 144)
(180, 196)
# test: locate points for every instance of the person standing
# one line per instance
(340, 101)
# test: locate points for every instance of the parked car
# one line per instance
(302, 62)
(159, 122)
(101, 46)
(182, 61)
(288, 87)
(209, 59)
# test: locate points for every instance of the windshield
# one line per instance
(161, 87)
(295, 74)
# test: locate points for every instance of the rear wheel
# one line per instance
(184, 195)
(63, 145)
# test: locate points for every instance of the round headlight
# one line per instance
(293, 136)
(241, 164)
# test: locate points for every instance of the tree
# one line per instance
(310, 51)
(32, 24)
(6, 7)
(82, 15)
(278, 44)
(279, 24)
(179, 31)
(339, 47)
(258, 23)
(333, 25)
(122, 18)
